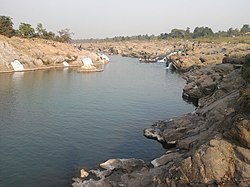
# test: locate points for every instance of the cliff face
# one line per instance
(210, 146)
(38, 53)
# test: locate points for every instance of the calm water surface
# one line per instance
(55, 122)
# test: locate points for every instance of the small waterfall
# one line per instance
(170, 65)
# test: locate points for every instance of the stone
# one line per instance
(240, 132)
(153, 134)
(38, 62)
(65, 64)
(83, 173)
(126, 164)
(208, 86)
(164, 159)
(210, 162)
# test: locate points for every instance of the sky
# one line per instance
(109, 18)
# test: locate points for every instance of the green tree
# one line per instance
(49, 36)
(245, 28)
(233, 32)
(177, 33)
(65, 35)
(26, 30)
(202, 32)
(6, 26)
(41, 32)
(188, 33)
(163, 36)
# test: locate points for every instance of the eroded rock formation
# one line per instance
(38, 54)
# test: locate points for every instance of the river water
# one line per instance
(54, 122)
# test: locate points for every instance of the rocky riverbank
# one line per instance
(36, 54)
(209, 147)
(187, 54)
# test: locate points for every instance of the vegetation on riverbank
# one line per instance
(25, 30)
(203, 34)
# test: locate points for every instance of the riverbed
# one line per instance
(54, 122)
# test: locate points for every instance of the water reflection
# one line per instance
(18, 76)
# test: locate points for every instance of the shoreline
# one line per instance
(39, 54)
(203, 148)
(42, 68)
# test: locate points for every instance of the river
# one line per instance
(54, 122)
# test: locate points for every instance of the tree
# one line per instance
(245, 28)
(233, 32)
(177, 33)
(6, 26)
(26, 30)
(49, 36)
(65, 35)
(188, 33)
(41, 32)
(202, 32)
(163, 36)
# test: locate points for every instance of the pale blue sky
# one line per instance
(108, 18)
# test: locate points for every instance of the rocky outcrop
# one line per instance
(221, 78)
(38, 54)
(184, 55)
(209, 147)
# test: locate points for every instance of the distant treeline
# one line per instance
(199, 32)
(25, 30)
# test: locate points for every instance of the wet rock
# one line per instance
(153, 133)
(101, 174)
